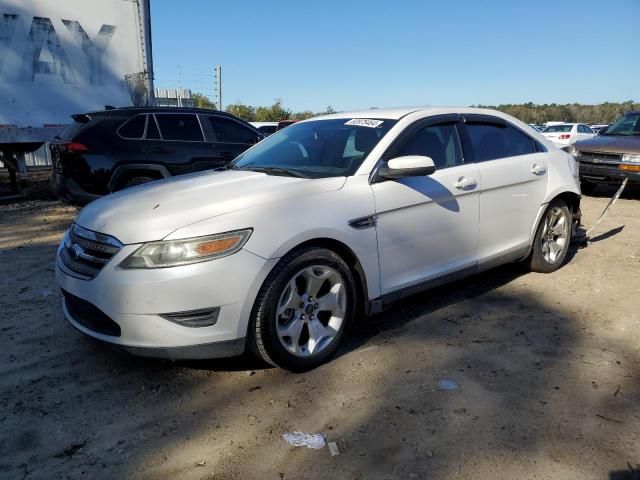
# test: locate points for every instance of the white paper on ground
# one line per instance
(301, 439)
(447, 384)
(333, 448)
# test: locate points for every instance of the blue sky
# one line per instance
(358, 54)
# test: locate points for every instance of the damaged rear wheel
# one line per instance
(552, 239)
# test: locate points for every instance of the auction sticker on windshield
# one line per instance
(365, 122)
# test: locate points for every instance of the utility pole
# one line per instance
(179, 92)
(219, 86)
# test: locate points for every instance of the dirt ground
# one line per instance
(547, 368)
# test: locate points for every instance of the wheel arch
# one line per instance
(572, 199)
(122, 171)
(352, 260)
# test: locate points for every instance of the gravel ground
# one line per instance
(547, 369)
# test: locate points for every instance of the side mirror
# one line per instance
(408, 166)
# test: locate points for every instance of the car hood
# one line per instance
(152, 211)
(611, 144)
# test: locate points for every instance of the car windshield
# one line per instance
(558, 129)
(628, 124)
(316, 149)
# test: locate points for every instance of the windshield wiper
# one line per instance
(276, 171)
(229, 166)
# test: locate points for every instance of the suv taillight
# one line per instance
(564, 136)
(76, 147)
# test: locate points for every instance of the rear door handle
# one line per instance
(465, 183)
(538, 169)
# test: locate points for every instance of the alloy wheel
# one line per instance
(311, 310)
(555, 234)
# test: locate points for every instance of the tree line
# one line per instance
(272, 113)
(602, 113)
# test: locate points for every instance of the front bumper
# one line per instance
(136, 299)
(606, 173)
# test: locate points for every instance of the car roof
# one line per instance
(398, 113)
(134, 110)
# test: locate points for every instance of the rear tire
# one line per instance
(552, 239)
(303, 309)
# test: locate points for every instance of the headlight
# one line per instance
(631, 157)
(575, 152)
(184, 252)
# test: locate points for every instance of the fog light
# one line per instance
(204, 317)
(629, 168)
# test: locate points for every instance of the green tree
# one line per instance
(603, 113)
(202, 101)
(274, 113)
(303, 115)
(245, 112)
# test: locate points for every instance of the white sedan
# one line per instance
(327, 220)
(566, 134)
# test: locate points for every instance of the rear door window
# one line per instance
(230, 131)
(523, 144)
(152, 129)
(179, 126)
(489, 141)
(133, 128)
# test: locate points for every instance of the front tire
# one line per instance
(303, 309)
(552, 239)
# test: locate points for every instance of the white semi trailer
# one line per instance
(61, 57)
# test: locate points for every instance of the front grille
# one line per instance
(90, 316)
(85, 253)
(596, 157)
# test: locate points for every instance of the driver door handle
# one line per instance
(538, 169)
(465, 183)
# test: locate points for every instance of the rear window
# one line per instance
(133, 128)
(71, 130)
(230, 131)
(558, 129)
(81, 122)
(183, 127)
(268, 129)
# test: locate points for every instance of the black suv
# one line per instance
(106, 151)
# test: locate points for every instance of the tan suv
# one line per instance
(611, 156)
